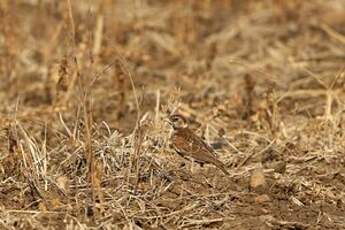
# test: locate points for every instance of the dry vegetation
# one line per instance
(86, 86)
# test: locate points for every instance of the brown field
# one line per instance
(86, 86)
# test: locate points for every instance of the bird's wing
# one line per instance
(188, 144)
(199, 141)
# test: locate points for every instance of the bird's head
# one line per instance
(177, 121)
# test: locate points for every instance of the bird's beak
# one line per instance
(168, 121)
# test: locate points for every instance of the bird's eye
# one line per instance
(175, 119)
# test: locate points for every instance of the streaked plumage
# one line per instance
(189, 145)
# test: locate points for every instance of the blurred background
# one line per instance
(203, 54)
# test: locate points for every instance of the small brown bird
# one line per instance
(189, 145)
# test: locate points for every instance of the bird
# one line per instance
(189, 145)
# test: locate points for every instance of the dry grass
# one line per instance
(86, 85)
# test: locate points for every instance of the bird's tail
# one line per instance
(221, 166)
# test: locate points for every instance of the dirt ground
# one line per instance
(86, 87)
